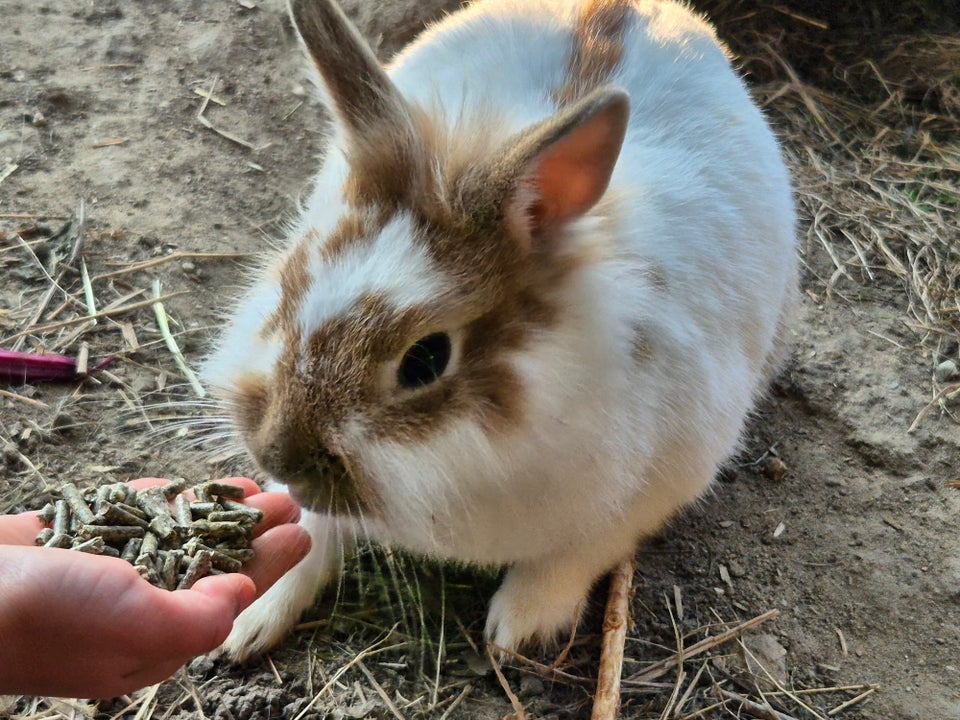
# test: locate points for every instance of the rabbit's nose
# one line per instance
(317, 478)
(292, 459)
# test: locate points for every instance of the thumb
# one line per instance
(214, 602)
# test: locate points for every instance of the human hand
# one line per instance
(80, 625)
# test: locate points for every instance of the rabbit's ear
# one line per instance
(360, 90)
(557, 170)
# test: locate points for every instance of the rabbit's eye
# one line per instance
(424, 361)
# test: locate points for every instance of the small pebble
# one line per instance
(947, 370)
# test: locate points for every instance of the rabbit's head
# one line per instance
(392, 353)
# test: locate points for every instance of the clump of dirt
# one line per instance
(849, 536)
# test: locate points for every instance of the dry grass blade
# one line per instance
(751, 708)
(110, 312)
(172, 257)
(518, 711)
(381, 692)
(852, 701)
(22, 398)
(659, 669)
(88, 289)
(171, 343)
(207, 96)
(8, 170)
(75, 228)
(377, 647)
(456, 702)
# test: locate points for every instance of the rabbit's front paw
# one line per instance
(260, 627)
(264, 624)
(534, 607)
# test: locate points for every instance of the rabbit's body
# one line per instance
(610, 322)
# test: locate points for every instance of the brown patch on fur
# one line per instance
(597, 48)
(250, 400)
(384, 162)
(641, 349)
(294, 283)
(656, 277)
(353, 229)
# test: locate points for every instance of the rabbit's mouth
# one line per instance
(339, 498)
(328, 487)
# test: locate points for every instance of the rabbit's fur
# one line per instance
(583, 198)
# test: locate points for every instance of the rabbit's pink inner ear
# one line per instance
(571, 173)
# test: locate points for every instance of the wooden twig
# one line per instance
(658, 669)
(606, 701)
(852, 701)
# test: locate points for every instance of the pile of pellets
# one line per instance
(171, 548)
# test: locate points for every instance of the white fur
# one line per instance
(393, 264)
(610, 446)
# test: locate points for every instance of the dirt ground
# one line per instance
(856, 546)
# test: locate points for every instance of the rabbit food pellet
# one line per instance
(171, 548)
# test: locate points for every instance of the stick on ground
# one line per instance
(616, 618)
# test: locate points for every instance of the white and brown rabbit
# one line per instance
(541, 278)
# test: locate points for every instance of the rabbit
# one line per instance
(543, 275)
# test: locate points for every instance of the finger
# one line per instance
(144, 483)
(20, 529)
(277, 551)
(204, 614)
(278, 509)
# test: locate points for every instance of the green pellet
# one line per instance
(253, 512)
(223, 490)
(59, 540)
(94, 546)
(173, 488)
(77, 504)
(131, 549)
(242, 555)
(111, 533)
(47, 513)
(199, 566)
(112, 514)
(61, 518)
(182, 512)
(43, 537)
(149, 545)
(148, 573)
(234, 516)
(170, 568)
(206, 528)
(203, 509)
